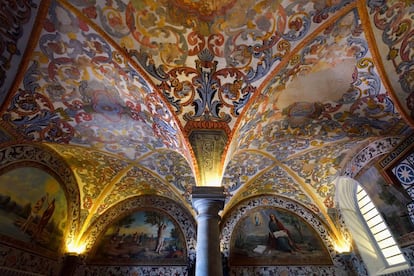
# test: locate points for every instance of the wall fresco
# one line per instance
(177, 45)
(394, 28)
(17, 21)
(281, 126)
(361, 99)
(116, 87)
(144, 237)
(172, 167)
(182, 217)
(79, 89)
(270, 236)
(36, 156)
(249, 206)
(33, 208)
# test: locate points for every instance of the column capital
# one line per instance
(208, 199)
(208, 192)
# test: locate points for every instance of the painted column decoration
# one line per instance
(208, 201)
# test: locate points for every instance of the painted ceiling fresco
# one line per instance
(289, 88)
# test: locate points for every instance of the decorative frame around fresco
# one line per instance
(31, 247)
(93, 260)
(392, 159)
(257, 261)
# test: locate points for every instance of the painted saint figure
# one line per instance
(279, 237)
(34, 212)
(44, 220)
(161, 237)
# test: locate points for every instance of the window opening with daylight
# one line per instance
(379, 230)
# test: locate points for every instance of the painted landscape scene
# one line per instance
(32, 208)
(149, 237)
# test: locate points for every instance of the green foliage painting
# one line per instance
(144, 237)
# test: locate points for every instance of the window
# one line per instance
(379, 230)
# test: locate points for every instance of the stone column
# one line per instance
(208, 201)
(70, 262)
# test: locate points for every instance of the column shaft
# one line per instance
(69, 265)
(208, 201)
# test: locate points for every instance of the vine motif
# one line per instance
(14, 15)
(39, 119)
(202, 87)
(395, 20)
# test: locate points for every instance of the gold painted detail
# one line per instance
(208, 147)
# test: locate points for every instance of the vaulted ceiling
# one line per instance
(149, 97)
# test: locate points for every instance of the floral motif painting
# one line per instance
(33, 209)
(273, 236)
(143, 237)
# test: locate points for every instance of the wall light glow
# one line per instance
(342, 246)
(76, 248)
(212, 179)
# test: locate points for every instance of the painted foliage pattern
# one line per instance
(94, 175)
(14, 30)
(172, 167)
(394, 20)
(207, 63)
(93, 170)
(363, 110)
(177, 45)
(277, 180)
(236, 176)
(137, 181)
(336, 118)
(369, 153)
(98, 100)
(78, 89)
(319, 168)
